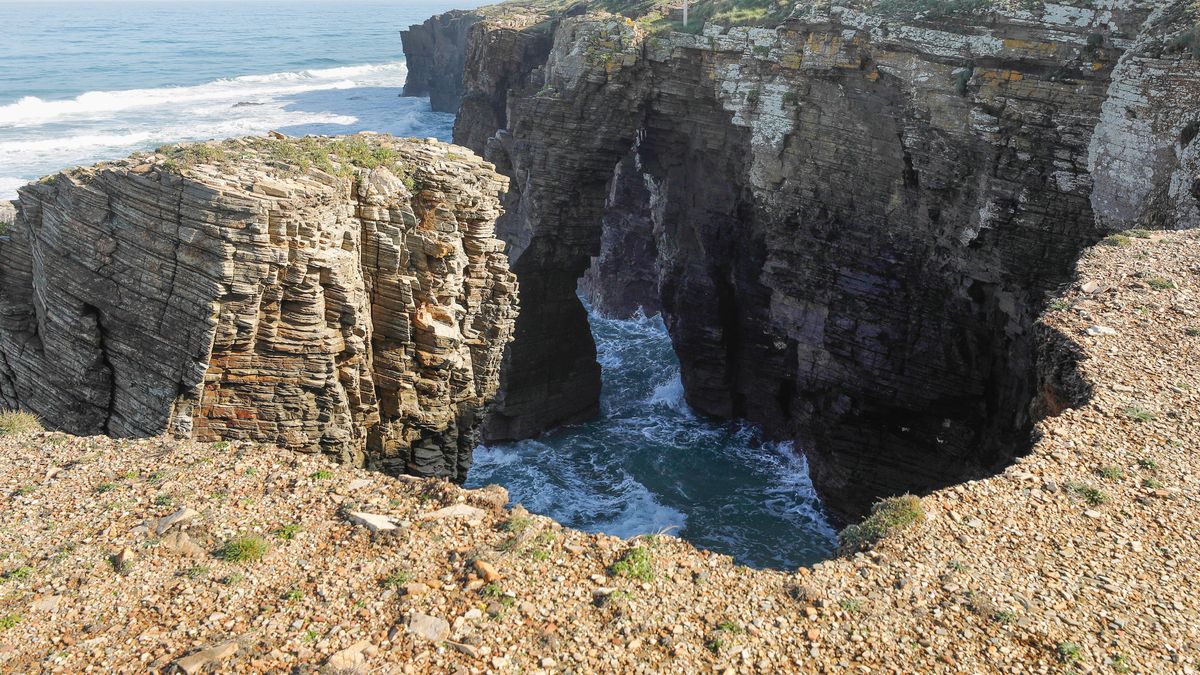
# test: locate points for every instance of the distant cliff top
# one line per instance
(133, 555)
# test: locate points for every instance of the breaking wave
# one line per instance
(650, 463)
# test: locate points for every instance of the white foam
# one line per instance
(33, 111)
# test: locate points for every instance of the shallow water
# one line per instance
(85, 82)
(648, 464)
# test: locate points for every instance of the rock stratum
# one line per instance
(342, 296)
(849, 218)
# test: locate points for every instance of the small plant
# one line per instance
(1111, 472)
(635, 564)
(1192, 331)
(23, 572)
(715, 644)
(1069, 652)
(1151, 483)
(1005, 616)
(517, 524)
(163, 500)
(1059, 305)
(106, 487)
(1120, 664)
(288, 532)
(1139, 234)
(220, 445)
(851, 605)
(1116, 240)
(1148, 464)
(232, 579)
(396, 579)
(323, 474)
(196, 572)
(246, 548)
(25, 489)
(1089, 494)
(887, 515)
(730, 627)
(752, 97)
(310, 636)
(19, 422)
(1137, 413)
(294, 595)
(958, 565)
(9, 621)
(494, 591)
(1159, 283)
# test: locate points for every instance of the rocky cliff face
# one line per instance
(434, 53)
(850, 221)
(343, 296)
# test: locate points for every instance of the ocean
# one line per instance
(82, 82)
(86, 82)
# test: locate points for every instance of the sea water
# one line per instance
(649, 464)
(82, 82)
(85, 82)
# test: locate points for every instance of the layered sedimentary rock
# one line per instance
(344, 296)
(435, 54)
(854, 217)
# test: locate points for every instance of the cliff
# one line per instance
(435, 54)
(342, 296)
(850, 220)
(1081, 557)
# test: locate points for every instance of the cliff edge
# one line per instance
(139, 555)
(343, 296)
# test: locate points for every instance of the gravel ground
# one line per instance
(1080, 557)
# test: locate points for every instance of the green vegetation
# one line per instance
(886, 516)
(1111, 472)
(1159, 283)
(517, 523)
(246, 548)
(1069, 652)
(636, 563)
(294, 595)
(9, 620)
(19, 422)
(851, 605)
(23, 572)
(106, 487)
(396, 579)
(1147, 464)
(1116, 240)
(1089, 494)
(196, 572)
(1137, 413)
(1151, 483)
(288, 532)
(1120, 664)
(322, 474)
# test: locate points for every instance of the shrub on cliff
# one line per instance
(887, 515)
(18, 422)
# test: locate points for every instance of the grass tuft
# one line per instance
(887, 515)
(19, 422)
(246, 548)
(636, 563)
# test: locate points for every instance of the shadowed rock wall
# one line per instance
(854, 219)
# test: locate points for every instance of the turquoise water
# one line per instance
(85, 82)
(650, 464)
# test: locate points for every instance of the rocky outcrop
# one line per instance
(434, 53)
(854, 217)
(344, 296)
